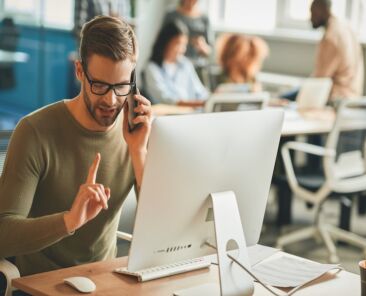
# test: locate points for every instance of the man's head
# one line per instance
(108, 54)
(320, 13)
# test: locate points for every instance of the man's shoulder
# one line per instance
(45, 114)
(337, 29)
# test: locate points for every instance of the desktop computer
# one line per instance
(191, 157)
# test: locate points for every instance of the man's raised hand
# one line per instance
(89, 201)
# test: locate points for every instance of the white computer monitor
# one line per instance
(189, 157)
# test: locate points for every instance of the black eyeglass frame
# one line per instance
(110, 86)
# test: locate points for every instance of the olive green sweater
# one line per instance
(48, 158)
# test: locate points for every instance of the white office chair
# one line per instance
(236, 101)
(344, 172)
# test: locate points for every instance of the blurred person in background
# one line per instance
(199, 30)
(170, 77)
(339, 54)
(241, 58)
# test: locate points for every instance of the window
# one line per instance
(49, 13)
(295, 14)
(268, 15)
(59, 14)
(243, 14)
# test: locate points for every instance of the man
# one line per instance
(55, 210)
(339, 55)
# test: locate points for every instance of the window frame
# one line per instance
(287, 29)
(35, 18)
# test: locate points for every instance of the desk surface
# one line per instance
(295, 123)
(110, 283)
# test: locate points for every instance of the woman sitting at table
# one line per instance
(241, 58)
(170, 77)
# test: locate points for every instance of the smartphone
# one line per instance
(132, 103)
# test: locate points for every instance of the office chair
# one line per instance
(219, 102)
(344, 164)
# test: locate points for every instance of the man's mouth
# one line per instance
(106, 112)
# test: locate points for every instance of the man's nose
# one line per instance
(110, 98)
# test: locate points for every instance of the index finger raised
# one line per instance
(93, 170)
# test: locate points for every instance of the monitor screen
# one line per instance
(189, 157)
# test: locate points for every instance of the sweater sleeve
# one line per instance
(24, 164)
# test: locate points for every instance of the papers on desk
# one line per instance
(256, 254)
(286, 271)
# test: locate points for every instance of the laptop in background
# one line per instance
(314, 93)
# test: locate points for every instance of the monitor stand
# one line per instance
(234, 281)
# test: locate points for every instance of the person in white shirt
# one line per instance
(170, 77)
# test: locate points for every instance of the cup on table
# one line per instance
(362, 265)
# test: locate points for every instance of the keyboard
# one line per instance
(167, 270)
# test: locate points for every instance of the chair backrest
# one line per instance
(348, 140)
(314, 93)
(236, 101)
(4, 141)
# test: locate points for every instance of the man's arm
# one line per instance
(138, 138)
(22, 172)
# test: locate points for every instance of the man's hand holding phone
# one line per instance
(137, 122)
(89, 201)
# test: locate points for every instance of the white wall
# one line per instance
(150, 15)
(294, 57)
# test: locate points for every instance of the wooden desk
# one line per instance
(109, 283)
(307, 122)
(164, 109)
(295, 123)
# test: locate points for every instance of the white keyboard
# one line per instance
(167, 270)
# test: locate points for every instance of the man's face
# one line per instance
(104, 109)
(318, 15)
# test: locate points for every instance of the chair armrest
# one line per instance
(309, 148)
(124, 235)
(313, 197)
(10, 271)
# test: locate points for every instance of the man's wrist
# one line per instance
(138, 153)
(69, 223)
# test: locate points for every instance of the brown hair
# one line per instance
(108, 36)
(246, 52)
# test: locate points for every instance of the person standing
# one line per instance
(200, 36)
(339, 54)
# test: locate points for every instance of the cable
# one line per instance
(252, 274)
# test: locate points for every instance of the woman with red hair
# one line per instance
(241, 58)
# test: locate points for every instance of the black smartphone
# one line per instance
(132, 103)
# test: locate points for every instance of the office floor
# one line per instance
(349, 256)
(302, 216)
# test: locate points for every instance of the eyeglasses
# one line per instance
(101, 88)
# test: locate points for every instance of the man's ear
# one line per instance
(79, 70)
